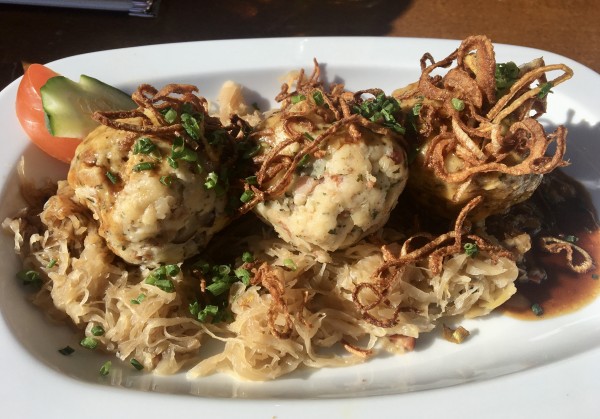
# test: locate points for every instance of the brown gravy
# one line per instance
(563, 291)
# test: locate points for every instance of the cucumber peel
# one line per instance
(69, 105)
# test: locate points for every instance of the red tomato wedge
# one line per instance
(32, 117)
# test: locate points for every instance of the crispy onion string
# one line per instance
(555, 245)
(486, 132)
(152, 106)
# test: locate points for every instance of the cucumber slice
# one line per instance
(69, 105)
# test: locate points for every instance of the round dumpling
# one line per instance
(149, 211)
(475, 130)
(340, 191)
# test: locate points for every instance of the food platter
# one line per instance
(509, 366)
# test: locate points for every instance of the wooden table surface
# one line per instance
(40, 34)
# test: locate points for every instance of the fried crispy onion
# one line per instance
(433, 253)
(153, 106)
(584, 262)
(488, 132)
(267, 276)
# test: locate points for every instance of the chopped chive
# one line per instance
(190, 124)
(506, 75)
(211, 310)
(297, 98)
(537, 309)
(211, 180)
(303, 161)
(544, 90)
(247, 196)
(170, 115)
(252, 180)
(29, 277)
(138, 299)
(172, 270)
(166, 180)
(52, 263)
(172, 162)
(416, 110)
(89, 343)
(571, 239)
(318, 98)
(144, 145)
(143, 166)
(247, 257)
(458, 104)
(105, 368)
(310, 137)
(289, 263)
(471, 249)
(218, 288)
(223, 269)
(164, 284)
(251, 152)
(97, 330)
(114, 179)
(66, 351)
(136, 364)
(243, 275)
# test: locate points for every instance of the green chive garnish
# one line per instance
(190, 124)
(243, 275)
(136, 364)
(143, 166)
(166, 180)
(471, 249)
(544, 90)
(318, 98)
(298, 98)
(170, 115)
(537, 309)
(458, 104)
(289, 263)
(97, 330)
(29, 277)
(144, 145)
(66, 351)
(139, 299)
(89, 343)
(105, 368)
(114, 179)
(211, 180)
(247, 196)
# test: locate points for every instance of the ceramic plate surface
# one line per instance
(509, 368)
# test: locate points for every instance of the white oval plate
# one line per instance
(513, 368)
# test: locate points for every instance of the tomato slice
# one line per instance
(30, 113)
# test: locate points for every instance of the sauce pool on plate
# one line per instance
(563, 291)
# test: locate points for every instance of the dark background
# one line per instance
(42, 34)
